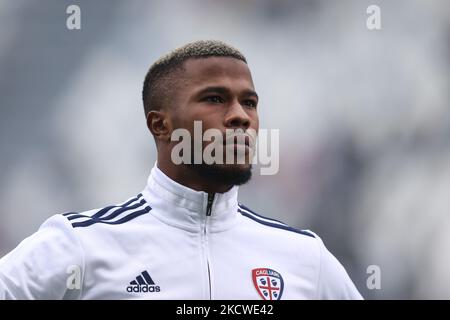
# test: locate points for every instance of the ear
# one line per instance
(158, 122)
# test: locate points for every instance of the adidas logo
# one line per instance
(143, 283)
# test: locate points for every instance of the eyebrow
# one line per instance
(224, 91)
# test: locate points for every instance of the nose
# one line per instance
(237, 117)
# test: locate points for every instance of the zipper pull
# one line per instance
(209, 204)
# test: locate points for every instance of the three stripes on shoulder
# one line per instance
(137, 206)
(117, 214)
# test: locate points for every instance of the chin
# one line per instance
(227, 174)
(234, 167)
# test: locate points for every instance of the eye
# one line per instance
(250, 103)
(214, 99)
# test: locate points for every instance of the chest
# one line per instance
(192, 266)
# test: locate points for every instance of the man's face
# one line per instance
(219, 92)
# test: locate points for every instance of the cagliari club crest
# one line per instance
(268, 283)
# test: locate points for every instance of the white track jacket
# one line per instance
(171, 242)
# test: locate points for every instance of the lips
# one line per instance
(239, 139)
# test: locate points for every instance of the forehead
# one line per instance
(217, 70)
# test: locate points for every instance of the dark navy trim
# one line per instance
(274, 225)
(96, 218)
(112, 215)
(258, 215)
(102, 211)
(78, 215)
(67, 213)
(106, 209)
(119, 211)
(127, 218)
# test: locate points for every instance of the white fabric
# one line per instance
(187, 254)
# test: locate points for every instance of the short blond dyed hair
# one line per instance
(161, 79)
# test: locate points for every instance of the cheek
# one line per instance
(255, 122)
(210, 118)
(182, 118)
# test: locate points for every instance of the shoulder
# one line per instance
(37, 267)
(333, 281)
(112, 215)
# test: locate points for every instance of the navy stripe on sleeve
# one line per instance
(127, 218)
(276, 225)
(242, 207)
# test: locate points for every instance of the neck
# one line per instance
(183, 174)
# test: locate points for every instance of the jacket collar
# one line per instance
(180, 206)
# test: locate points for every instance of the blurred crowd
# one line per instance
(363, 118)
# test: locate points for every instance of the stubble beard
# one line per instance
(223, 174)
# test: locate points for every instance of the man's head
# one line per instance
(207, 81)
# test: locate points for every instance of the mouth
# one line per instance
(240, 139)
(241, 146)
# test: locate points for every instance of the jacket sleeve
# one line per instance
(334, 282)
(47, 265)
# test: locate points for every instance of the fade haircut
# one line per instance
(161, 78)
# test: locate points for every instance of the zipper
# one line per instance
(209, 204)
(209, 281)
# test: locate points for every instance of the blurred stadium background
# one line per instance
(363, 117)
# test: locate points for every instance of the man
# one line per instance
(184, 236)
